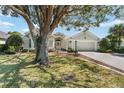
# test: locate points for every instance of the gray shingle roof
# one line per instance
(3, 35)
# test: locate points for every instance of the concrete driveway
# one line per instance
(113, 61)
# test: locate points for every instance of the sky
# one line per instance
(8, 23)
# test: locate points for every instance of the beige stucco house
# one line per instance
(83, 41)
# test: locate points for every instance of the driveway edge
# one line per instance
(101, 63)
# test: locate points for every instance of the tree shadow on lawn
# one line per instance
(14, 57)
(67, 81)
(11, 77)
(10, 73)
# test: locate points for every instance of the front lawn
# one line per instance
(63, 71)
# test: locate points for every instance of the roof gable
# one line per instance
(85, 35)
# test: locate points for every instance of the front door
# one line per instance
(58, 45)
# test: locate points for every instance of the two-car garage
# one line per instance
(83, 41)
(86, 45)
(80, 45)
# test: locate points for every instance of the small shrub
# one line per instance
(63, 49)
(108, 51)
(101, 50)
(10, 50)
(121, 50)
(75, 51)
(105, 51)
(70, 50)
(24, 50)
(32, 50)
(3, 48)
(104, 45)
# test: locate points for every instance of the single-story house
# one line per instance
(3, 37)
(83, 41)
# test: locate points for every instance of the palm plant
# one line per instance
(117, 33)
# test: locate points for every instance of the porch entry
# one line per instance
(58, 44)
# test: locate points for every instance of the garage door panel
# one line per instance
(84, 46)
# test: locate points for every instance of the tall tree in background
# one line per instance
(49, 17)
(15, 40)
(117, 33)
(113, 42)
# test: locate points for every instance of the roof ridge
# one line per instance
(3, 35)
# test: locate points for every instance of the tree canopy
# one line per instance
(116, 34)
(14, 33)
(63, 15)
(49, 17)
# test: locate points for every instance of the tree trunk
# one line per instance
(41, 49)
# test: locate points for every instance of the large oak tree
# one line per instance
(49, 17)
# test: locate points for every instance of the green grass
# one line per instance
(63, 71)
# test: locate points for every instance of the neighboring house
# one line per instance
(3, 37)
(83, 41)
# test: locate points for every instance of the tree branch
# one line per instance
(25, 16)
(49, 14)
(59, 16)
(18, 10)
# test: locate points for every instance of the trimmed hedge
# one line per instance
(70, 50)
(121, 50)
(3, 48)
(105, 51)
(24, 50)
(10, 50)
(32, 50)
(63, 49)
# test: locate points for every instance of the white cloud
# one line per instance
(25, 30)
(3, 23)
(1, 14)
(109, 24)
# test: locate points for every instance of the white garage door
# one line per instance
(85, 46)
